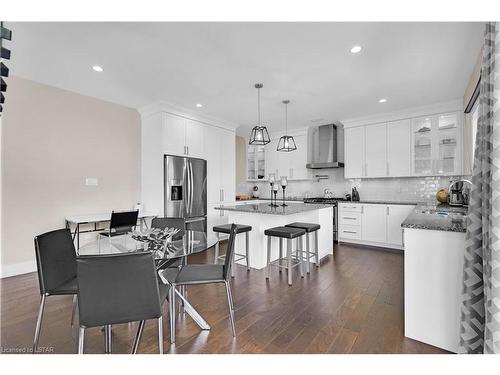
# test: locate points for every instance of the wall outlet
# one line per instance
(91, 181)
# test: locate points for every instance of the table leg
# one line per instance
(190, 310)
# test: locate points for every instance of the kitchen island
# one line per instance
(262, 216)
(434, 246)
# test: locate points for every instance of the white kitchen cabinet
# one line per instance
(398, 144)
(437, 145)
(194, 138)
(373, 223)
(256, 162)
(165, 133)
(376, 150)
(354, 152)
(396, 214)
(174, 135)
(183, 136)
(220, 156)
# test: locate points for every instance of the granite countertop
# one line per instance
(452, 219)
(264, 208)
(410, 203)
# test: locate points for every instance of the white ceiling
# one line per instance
(217, 64)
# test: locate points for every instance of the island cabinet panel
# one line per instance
(262, 221)
(395, 216)
(375, 224)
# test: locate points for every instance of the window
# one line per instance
(475, 117)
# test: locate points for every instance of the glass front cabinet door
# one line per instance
(436, 145)
(256, 162)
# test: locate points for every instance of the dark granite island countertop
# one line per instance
(437, 217)
(264, 208)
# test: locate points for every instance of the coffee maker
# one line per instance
(457, 194)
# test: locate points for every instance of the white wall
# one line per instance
(52, 140)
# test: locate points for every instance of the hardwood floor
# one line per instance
(353, 304)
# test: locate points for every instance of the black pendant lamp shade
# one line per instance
(4, 71)
(259, 135)
(4, 53)
(2, 98)
(286, 143)
(3, 85)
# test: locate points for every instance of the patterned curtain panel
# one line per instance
(480, 310)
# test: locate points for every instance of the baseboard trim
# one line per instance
(17, 269)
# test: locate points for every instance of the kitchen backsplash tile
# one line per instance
(422, 189)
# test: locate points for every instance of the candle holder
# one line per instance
(284, 183)
(272, 183)
(275, 193)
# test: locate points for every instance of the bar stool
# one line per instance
(289, 234)
(226, 229)
(309, 228)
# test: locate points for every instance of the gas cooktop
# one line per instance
(324, 200)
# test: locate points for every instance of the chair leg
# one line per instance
(308, 253)
(233, 263)
(289, 260)
(138, 336)
(171, 312)
(38, 323)
(73, 311)
(247, 240)
(107, 339)
(268, 265)
(216, 258)
(81, 338)
(160, 334)
(231, 307)
(300, 240)
(316, 248)
(281, 254)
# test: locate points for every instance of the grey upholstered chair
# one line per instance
(121, 223)
(56, 264)
(116, 289)
(196, 274)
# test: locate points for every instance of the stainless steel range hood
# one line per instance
(325, 146)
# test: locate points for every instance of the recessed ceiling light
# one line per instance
(98, 68)
(199, 105)
(382, 100)
(355, 49)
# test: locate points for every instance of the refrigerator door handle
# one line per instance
(191, 188)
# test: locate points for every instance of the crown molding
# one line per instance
(165, 107)
(427, 110)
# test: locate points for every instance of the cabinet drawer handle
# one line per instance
(349, 231)
(349, 218)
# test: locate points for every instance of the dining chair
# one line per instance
(198, 274)
(121, 223)
(116, 289)
(56, 266)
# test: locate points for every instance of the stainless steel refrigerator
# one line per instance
(185, 183)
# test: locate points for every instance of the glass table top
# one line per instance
(191, 243)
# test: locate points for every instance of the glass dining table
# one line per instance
(192, 242)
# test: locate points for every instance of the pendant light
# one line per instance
(286, 143)
(259, 134)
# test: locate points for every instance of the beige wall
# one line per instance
(241, 160)
(51, 141)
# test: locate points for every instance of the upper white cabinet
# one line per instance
(376, 150)
(256, 162)
(398, 144)
(423, 146)
(354, 152)
(182, 136)
(437, 145)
